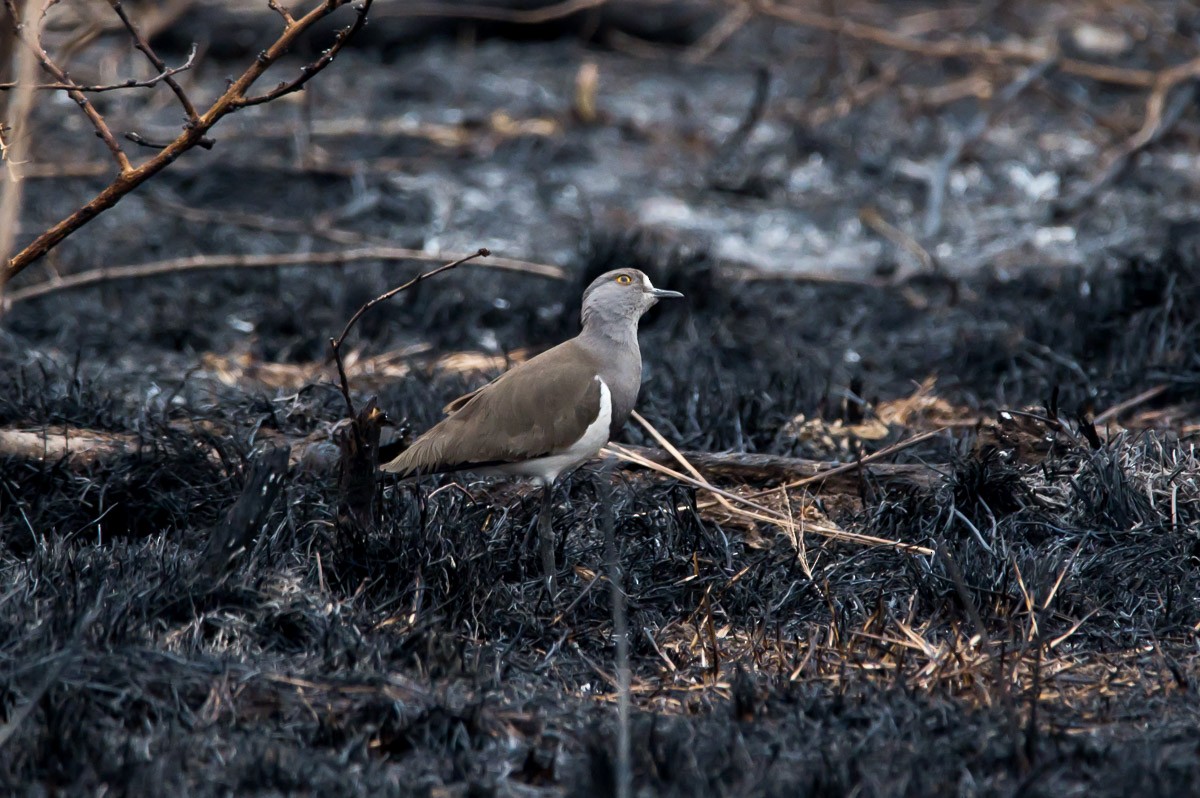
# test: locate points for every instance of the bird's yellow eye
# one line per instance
(624, 279)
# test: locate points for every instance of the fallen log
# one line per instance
(318, 452)
(83, 446)
(760, 469)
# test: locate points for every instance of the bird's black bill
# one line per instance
(660, 293)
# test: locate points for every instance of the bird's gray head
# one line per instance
(620, 297)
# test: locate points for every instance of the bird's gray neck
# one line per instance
(613, 333)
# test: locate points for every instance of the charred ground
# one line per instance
(1046, 648)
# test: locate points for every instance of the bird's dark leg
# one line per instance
(546, 535)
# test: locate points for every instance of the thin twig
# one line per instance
(308, 71)
(140, 42)
(482, 252)
(1160, 117)
(940, 176)
(719, 33)
(678, 455)
(148, 83)
(761, 513)
(281, 11)
(273, 224)
(536, 16)
(749, 273)
(102, 128)
(873, 219)
(753, 116)
(335, 344)
(309, 227)
(139, 271)
(137, 138)
(853, 97)
(964, 595)
(958, 48)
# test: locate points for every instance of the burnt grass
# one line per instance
(422, 654)
(1047, 648)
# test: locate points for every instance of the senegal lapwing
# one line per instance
(553, 412)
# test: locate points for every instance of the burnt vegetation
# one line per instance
(185, 608)
(422, 652)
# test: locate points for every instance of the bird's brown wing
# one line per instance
(538, 408)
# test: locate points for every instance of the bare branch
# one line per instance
(128, 84)
(102, 129)
(216, 262)
(1159, 118)
(282, 11)
(319, 229)
(940, 177)
(534, 16)
(365, 426)
(140, 42)
(872, 218)
(141, 141)
(309, 70)
(719, 33)
(482, 252)
(191, 136)
(956, 48)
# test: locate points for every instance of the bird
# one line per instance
(547, 416)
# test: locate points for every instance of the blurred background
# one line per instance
(760, 133)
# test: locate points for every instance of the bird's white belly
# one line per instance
(547, 469)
